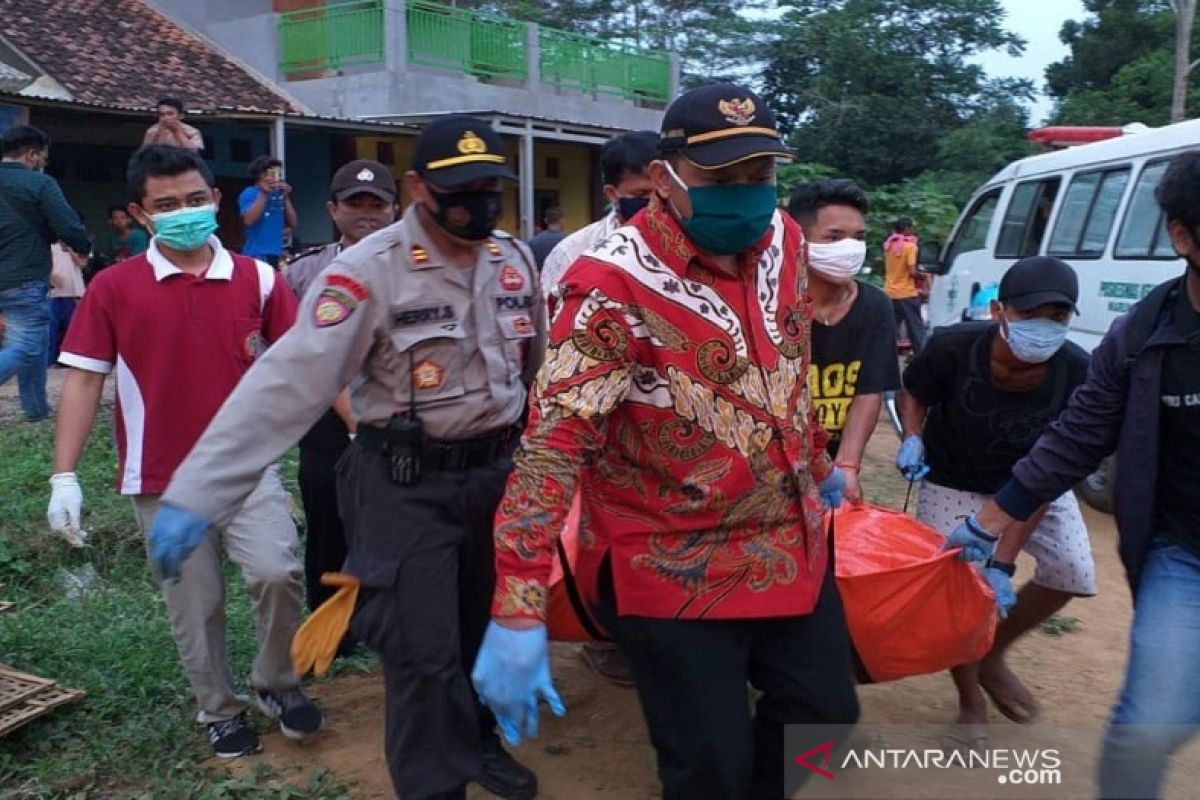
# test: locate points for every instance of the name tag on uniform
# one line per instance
(440, 313)
(512, 303)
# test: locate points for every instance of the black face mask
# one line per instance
(628, 206)
(483, 209)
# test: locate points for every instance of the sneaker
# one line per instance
(298, 716)
(231, 738)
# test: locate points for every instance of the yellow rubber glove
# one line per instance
(316, 643)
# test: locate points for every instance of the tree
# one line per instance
(1117, 33)
(1185, 17)
(873, 86)
(1123, 59)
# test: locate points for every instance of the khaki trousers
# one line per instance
(261, 541)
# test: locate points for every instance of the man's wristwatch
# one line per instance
(1004, 566)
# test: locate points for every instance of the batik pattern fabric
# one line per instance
(674, 397)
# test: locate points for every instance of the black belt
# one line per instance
(456, 456)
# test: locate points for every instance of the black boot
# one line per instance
(501, 774)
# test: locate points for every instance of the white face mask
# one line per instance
(837, 261)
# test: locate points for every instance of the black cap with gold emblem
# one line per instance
(718, 125)
(459, 149)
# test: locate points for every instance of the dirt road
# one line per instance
(600, 750)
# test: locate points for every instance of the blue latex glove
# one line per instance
(174, 534)
(1001, 586)
(910, 459)
(976, 543)
(831, 488)
(511, 671)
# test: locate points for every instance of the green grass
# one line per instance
(1058, 625)
(134, 735)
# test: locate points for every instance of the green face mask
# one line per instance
(185, 229)
(727, 219)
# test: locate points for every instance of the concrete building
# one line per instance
(556, 95)
(318, 84)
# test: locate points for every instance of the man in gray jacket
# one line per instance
(1141, 398)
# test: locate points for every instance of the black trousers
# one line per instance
(691, 678)
(909, 312)
(325, 538)
(425, 556)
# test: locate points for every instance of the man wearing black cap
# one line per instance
(362, 201)
(975, 400)
(1141, 399)
(435, 325)
(674, 397)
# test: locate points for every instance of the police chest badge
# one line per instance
(338, 300)
(511, 279)
(428, 374)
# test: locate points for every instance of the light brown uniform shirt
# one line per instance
(399, 324)
(158, 134)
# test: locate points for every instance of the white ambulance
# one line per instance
(1092, 206)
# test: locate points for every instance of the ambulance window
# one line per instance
(1026, 219)
(1104, 213)
(972, 233)
(1088, 212)
(1144, 230)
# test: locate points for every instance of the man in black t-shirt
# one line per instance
(853, 345)
(975, 400)
(1142, 398)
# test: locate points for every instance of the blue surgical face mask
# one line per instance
(185, 229)
(1034, 340)
(728, 219)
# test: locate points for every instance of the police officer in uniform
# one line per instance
(435, 326)
(362, 201)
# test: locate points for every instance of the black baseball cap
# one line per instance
(718, 125)
(364, 176)
(1038, 280)
(458, 149)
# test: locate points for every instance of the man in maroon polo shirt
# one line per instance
(179, 325)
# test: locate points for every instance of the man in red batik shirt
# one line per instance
(674, 395)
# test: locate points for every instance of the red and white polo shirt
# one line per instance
(179, 343)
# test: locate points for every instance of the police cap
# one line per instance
(458, 149)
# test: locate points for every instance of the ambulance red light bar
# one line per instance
(1071, 135)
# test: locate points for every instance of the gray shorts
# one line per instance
(1059, 543)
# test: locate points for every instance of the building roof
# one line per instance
(13, 78)
(125, 52)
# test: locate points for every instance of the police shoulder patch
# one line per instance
(347, 284)
(334, 305)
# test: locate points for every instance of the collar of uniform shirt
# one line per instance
(676, 250)
(219, 269)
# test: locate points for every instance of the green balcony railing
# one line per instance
(593, 65)
(315, 40)
(331, 36)
(468, 41)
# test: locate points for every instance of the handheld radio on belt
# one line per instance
(405, 434)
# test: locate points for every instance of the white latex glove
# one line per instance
(66, 508)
